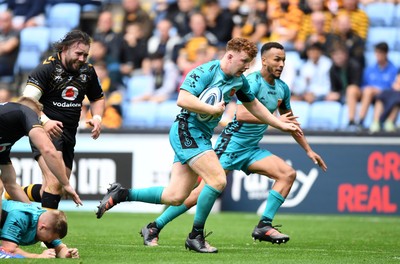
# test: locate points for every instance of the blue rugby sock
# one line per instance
(146, 195)
(205, 203)
(274, 202)
(170, 214)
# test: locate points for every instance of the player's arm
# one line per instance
(302, 141)
(261, 112)
(192, 103)
(12, 247)
(62, 251)
(52, 127)
(97, 110)
(53, 160)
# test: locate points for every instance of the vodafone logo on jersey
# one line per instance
(70, 93)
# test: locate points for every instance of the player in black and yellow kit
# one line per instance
(18, 120)
(60, 83)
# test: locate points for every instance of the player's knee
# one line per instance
(290, 176)
(219, 183)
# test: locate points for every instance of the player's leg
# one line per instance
(207, 166)
(9, 179)
(284, 176)
(51, 187)
(182, 181)
(150, 232)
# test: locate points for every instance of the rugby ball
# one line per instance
(212, 96)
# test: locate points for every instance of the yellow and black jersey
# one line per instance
(63, 91)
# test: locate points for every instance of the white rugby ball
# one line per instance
(212, 96)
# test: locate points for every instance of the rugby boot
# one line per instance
(270, 234)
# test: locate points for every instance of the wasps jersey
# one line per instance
(63, 91)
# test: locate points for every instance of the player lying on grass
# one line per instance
(25, 224)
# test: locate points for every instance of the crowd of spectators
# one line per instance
(165, 39)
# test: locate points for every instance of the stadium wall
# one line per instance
(363, 174)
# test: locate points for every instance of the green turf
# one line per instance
(313, 239)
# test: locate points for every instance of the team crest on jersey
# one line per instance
(232, 92)
(83, 78)
(70, 93)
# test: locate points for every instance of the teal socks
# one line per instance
(274, 202)
(170, 214)
(146, 195)
(205, 203)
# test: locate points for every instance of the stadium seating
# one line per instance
(64, 15)
(138, 85)
(139, 115)
(396, 19)
(34, 41)
(382, 34)
(325, 115)
(166, 114)
(302, 110)
(57, 33)
(380, 14)
(344, 118)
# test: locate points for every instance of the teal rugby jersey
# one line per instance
(271, 97)
(210, 75)
(20, 222)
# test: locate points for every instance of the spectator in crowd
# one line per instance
(315, 25)
(358, 17)
(344, 34)
(133, 53)
(179, 14)
(99, 53)
(134, 13)
(9, 47)
(27, 13)
(286, 18)
(313, 83)
(345, 76)
(386, 108)
(250, 22)
(376, 78)
(164, 83)
(104, 32)
(219, 20)
(163, 40)
(197, 40)
(318, 35)
(112, 118)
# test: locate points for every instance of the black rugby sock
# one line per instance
(50, 201)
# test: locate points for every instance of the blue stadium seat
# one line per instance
(138, 85)
(139, 114)
(64, 15)
(325, 115)
(396, 19)
(57, 33)
(382, 34)
(344, 120)
(380, 14)
(166, 114)
(302, 110)
(34, 41)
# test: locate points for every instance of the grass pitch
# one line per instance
(313, 239)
